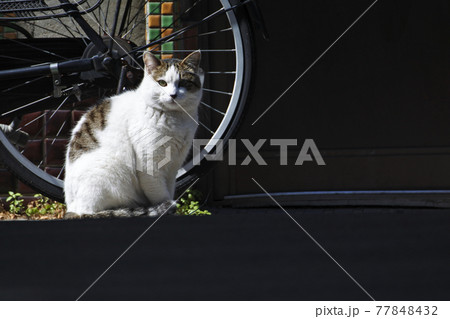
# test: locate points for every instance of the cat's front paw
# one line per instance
(166, 207)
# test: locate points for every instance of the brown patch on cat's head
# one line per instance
(192, 62)
(188, 68)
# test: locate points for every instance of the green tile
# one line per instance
(154, 8)
(154, 33)
(166, 21)
(167, 46)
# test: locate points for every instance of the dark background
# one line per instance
(377, 104)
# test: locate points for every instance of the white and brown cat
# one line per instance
(116, 142)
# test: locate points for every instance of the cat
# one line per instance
(124, 153)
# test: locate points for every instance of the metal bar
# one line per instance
(125, 16)
(40, 70)
(116, 19)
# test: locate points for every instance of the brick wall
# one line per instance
(49, 134)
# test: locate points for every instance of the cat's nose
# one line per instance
(173, 96)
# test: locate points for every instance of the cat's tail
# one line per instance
(166, 207)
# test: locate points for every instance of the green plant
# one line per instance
(15, 203)
(43, 205)
(189, 204)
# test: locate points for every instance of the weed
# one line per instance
(189, 204)
(15, 204)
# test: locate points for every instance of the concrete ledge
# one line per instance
(413, 198)
(236, 254)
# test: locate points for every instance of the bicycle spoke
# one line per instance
(57, 135)
(27, 105)
(60, 172)
(128, 14)
(135, 16)
(34, 102)
(128, 33)
(177, 38)
(206, 127)
(64, 25)
(107, 12)
(105, 25)
(211, 33)
(212, 108)
(32, 121)
(18, 59)
(38, 49)
(23, 84)
(190, 51)
(51, 116)
(217, 91)
(79, 31)
(60, 129)
(221, 72)
(46, 29)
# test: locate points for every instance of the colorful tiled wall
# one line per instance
(160, 23)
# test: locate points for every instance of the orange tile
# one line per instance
(154, 20)
(167, 32)
(10, 35)
(167, 56)
(167, 8)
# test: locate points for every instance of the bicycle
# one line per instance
(88, 49)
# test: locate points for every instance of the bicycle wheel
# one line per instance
(222, 33)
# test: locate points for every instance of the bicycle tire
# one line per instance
(242, 32)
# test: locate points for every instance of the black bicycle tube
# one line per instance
(63, 67)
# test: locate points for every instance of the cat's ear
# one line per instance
(193, 59)
(151, 62)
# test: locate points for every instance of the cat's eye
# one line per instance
(162, 83)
